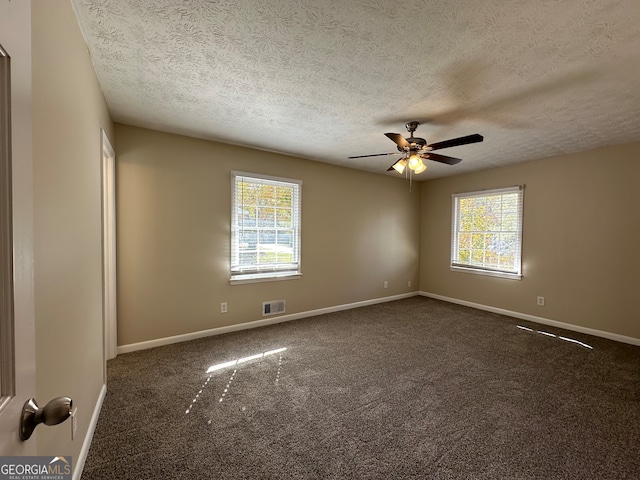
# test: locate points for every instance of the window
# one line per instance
(487, 232)
(265, 227)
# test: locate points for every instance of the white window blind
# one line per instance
(265, 227)
(487, 232)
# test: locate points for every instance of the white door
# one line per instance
(17, 322)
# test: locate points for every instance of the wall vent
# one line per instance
(273, 307)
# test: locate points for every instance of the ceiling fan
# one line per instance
(417, 149)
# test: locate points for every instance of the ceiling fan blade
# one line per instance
(455, 142)
(375, 155)
(399, 140)
(442, 158)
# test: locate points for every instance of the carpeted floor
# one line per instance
(415, 388)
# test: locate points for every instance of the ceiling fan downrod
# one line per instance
(411, 127)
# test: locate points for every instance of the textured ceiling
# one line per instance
(325, 79)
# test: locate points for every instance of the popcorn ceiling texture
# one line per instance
(325, 79)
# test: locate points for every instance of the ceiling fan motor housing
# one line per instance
(421, 142)
(415, 144)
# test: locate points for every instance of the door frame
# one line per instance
(109, 293)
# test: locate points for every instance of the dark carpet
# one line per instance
(415, 388)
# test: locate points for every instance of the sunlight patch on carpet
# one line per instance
(235, 363)
(257, 356)
(549, 334)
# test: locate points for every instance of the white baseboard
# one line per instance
(132, 347)
(535, 319)
(86, 444)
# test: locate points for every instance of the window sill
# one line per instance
(263, 277)
(488, 273)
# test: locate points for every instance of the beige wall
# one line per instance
(174, 207)
(581, 232)
(68, 112)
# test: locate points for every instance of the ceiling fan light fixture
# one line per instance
(421, 168)
(400, 165)
(414, 161)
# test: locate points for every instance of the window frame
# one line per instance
(456, 265)
(249, 274)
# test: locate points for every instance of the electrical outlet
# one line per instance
(541, 301)
(409, 284)
(223, 307)
(74, 423)
(386, 284)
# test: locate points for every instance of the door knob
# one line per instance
(53, 413)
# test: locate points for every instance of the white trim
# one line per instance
(132, 347)
(264, 277)
(109, 287)
(532, 318)
(86, 444)
(237, 173)
(485, 272)
(489, 191)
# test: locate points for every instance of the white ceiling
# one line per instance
(325, 79)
